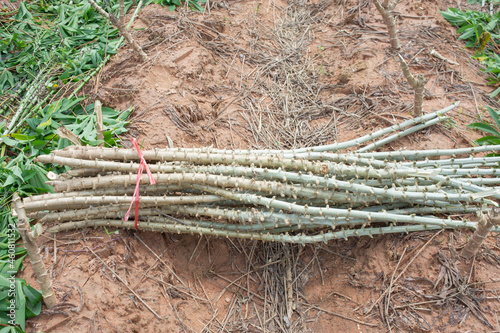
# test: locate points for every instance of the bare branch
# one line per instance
(121, 27)
(386, 10)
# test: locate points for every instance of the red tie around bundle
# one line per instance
(135, 198)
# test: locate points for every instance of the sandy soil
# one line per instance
(219, 79)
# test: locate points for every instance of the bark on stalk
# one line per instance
(33, 252)
(258, 235)
(386, 9)
(98, 106)
(417, 84)
(122, 29)
(122, 12)
(85, 202)
(484, 226)
(65, 133)
(159, 190)
(365, 193)
(270, 161)
(128, 37)
(75, 173)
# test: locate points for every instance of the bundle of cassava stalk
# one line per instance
(304, 195)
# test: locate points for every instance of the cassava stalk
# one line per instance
(263, 236)
(159, 190)
(323, 167)
(386, 9)
(124, 32)
(122, 29)
(422, 154)
(267, 194)
(23, 107)
(273, 188)
(243, 220)
(486, 223)
(83, 202)
(122, 13)
(34, 254)
(403, 133)
(65, 133)
(417, 84)
(334, 146)
(98, 105)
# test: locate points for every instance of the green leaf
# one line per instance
(11, 329)
(44, 124)
(494, 115)
(9, 181)
(488, 140)
(9, 142)
(22, 137)
(492, 25)
(34, 298)
(17, 263)
(23, 13)
(17, 172)
(4, 282)
(468, 33)
(6, 77)
(195, 6)
(485, 128)
(454, 16)
(466, 27)
(20, 305)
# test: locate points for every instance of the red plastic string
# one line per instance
(135, 198)
(143, 161)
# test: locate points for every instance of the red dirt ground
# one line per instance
(195, 91)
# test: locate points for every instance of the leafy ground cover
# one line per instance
(173, 4)
(48, 50)
(493, 131)
(481, 31)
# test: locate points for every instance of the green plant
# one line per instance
(81, 121)
(26, 300)
(173, 4)
(71, 36)
(19, 173)
(482, 32)
(27, 303)
(494, 133)
(71, 42)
